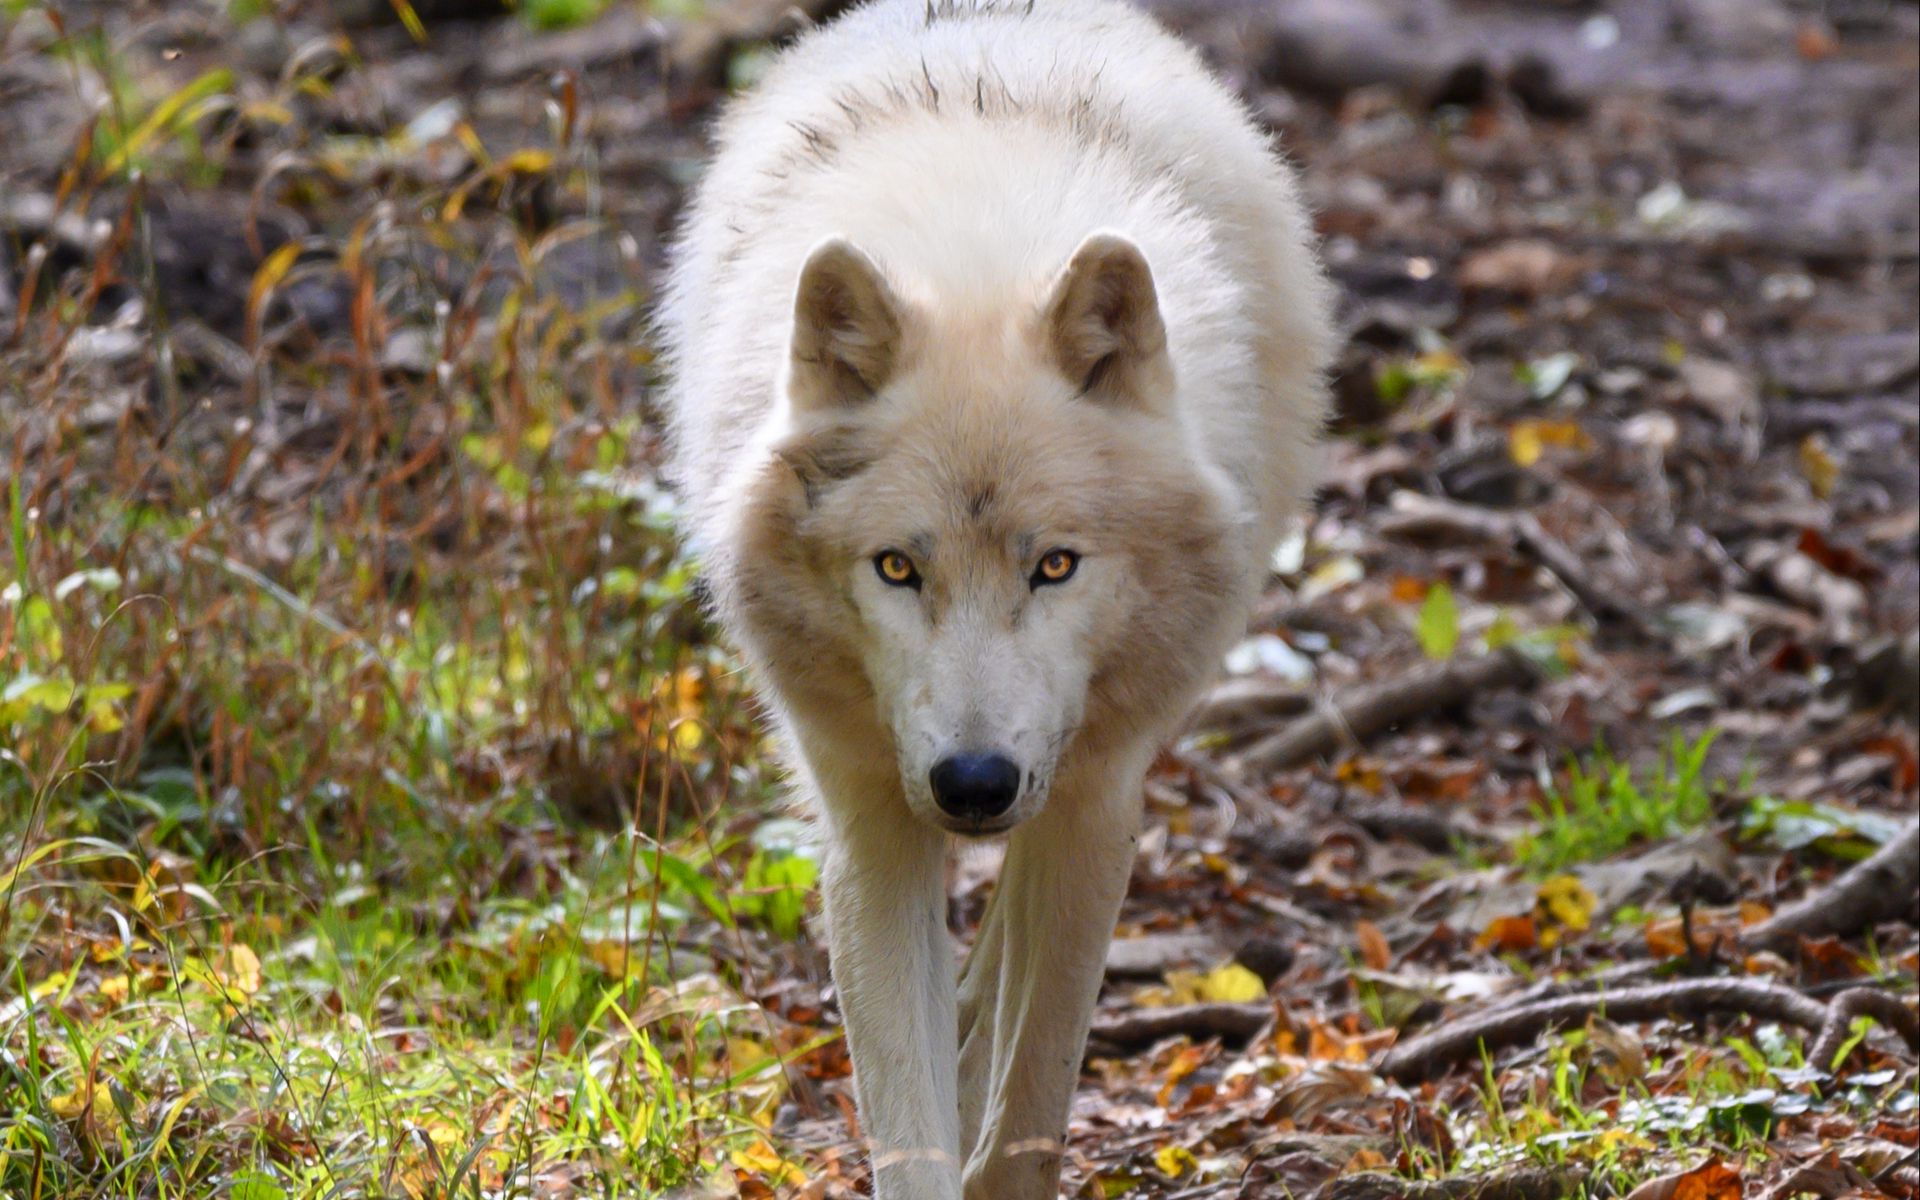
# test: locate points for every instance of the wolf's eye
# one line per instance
(1056, 566)
(896, 569)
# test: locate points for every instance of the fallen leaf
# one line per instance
(1439, 624)
(1713, 1180)
(762, 1163)
(1509, 934)
(1175, 1162)
(1819, 465)
(1562, 905)
(1528, 441)
(1374, 950)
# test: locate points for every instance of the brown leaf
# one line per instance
(1373, 945)
(1713, 1180)
(1513, 934)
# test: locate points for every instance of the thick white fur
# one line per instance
(941, 166)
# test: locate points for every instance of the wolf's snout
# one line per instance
(975, 787)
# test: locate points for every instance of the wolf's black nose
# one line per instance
(975, 787)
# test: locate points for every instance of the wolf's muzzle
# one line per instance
(975, 787)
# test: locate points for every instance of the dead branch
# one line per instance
(1236, 701)
(1884, 1007)
(1143, 1027)
(1440, 1048)
(1152, 955)
(1359, 713)
(1530, 1183)
(1415, 515)
(1424, 827)
(1881, 888)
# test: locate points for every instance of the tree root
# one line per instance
(1440, 1048)
(1884, 1007)
(1529, 1183)
(1359, 713)
(1143, 1027)
(1237, 702)
(1881, 888)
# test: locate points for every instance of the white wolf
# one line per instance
(996, 345)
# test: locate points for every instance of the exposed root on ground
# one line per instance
(1435, 1051)
(1882, 888)
(1120, 1032)
(1884, 1007)
(1361, 712)
(1530, 1183)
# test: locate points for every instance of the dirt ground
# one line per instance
(1624, 495)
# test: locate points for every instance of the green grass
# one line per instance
(1605, 806)
(373, 830)
(561, 14)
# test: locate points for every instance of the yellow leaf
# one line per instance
(1523, 443)
(243, 968)
(1229, 983)
(687, 736)
(761, 1161)
(746, 1054)
(98, 1101)
(525, 162)
(1562, 905)
(1818, 464)
(1175, 1162)
(1568, 901)
(1528, 440)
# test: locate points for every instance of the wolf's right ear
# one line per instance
(846, 328)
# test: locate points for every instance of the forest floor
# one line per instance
(379, 817)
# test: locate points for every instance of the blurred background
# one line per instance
(379, 817)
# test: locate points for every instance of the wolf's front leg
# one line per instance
(884, 888)
(1029, 987)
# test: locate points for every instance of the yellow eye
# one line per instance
(896, 568)
(1056, 566)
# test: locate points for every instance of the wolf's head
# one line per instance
(981, 530)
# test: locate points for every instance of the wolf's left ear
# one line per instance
(846, 328)
(1103, 324)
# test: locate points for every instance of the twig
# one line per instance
(1143, 1027)
(1237, 701)
(1440, 1048)
(1528, 1183)
(1423, 827)
(1414, 515)
(1881, 888)
(1844, 1009)
(1359, 713)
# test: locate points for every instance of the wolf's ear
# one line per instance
(1103, 323)
(846, 328)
